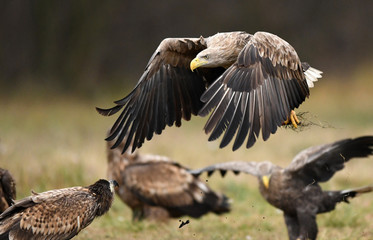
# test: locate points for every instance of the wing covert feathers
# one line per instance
(257, 92)
(254, 94)
(170, 186)
(152, 183)
(56, 214)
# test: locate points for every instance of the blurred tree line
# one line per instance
(92, 44)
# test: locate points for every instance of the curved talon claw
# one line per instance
(293, 119)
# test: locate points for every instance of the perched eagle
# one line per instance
(7, 190)
(254, 83)
(296, 190)
(56, 214)
(157, 188)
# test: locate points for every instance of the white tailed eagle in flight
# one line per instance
(251, 83)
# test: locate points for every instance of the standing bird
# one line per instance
(254, 83)
(56, 214)
(7, 190)
(296, 190)
(157, 188)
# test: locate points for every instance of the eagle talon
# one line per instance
(293, 119)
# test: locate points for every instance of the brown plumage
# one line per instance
(254, 82)
(56, 214)
(7, 190)
(157, 188)
(296, 190)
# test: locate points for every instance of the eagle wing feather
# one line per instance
(319, 163)
(268, 71)
(166, 93)
(161, 183)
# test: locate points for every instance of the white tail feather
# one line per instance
(312, 75)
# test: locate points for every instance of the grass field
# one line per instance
(52, 141)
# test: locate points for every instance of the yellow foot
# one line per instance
(293, 119)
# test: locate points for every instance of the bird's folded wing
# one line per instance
(321, 162)
(49, 217)
(163, 184)
(256, 93)
(62, 212)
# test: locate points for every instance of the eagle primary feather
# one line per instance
(252, 82)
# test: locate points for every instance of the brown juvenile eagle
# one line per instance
(7, 190)
(157, 188)
(56, 214)
(254, 83)
(296, 190)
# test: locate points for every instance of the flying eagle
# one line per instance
(157, 188)
(254, 83)
(7, 190)
(56, 214)
(296, 190)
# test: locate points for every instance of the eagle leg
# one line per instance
(307, 222)
(292, 225)
(293, 119)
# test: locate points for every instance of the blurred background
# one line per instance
(60, 59)
(90, 45)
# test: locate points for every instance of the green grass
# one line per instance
(51, 141)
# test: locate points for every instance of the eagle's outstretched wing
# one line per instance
(167, 92)
(253, 168)
(319, 163)
(257, 92)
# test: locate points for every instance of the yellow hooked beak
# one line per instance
(265, 180)
(196, 63)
